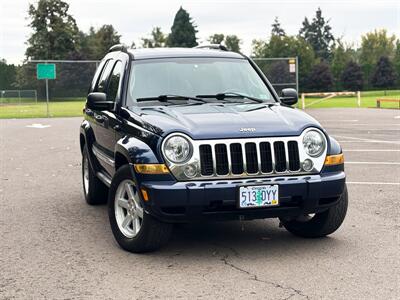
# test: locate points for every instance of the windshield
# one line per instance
(195, 76)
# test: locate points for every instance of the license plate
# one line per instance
(258, 196)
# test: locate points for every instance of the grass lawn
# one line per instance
(73, 107)
(368, 99)
(56, 109)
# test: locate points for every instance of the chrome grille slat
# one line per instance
(258, 157)
(214, 160)
(244, 157)
(228, 151)
(287, 156)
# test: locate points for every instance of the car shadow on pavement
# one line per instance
(232, 238)
(242, 240)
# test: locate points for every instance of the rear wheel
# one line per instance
(94, 190)
(319, 224)
(134, 229)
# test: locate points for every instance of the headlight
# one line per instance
(177, 149)
(314, 143)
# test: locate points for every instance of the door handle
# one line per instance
(117, 128)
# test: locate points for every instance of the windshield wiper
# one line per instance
(222, 96)
(166, 98)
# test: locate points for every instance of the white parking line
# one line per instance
(367, 140)
(372, 163)
(371, 150)
(360, 124)
(373, 183)
(338, 121)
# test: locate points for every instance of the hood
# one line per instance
(213, 121)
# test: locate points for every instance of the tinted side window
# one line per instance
(96, 75)
(114, 82)
(102, 83)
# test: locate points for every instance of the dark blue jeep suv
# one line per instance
(190, 135)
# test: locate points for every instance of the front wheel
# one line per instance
(320, 224)
(134, 229)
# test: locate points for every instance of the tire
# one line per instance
(134, 230)
(321, 224)
(94, 190)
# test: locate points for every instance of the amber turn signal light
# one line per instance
(332, 160)
(151, 169)
(144, 194)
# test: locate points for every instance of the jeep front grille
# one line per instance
(249, 158)
(246, 157)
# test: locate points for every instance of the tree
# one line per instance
(384, 75)
(277, 29)
(373, 46)
(54, 30)
(352, 77)
(232, 42)
(320, 78)
(183, 31)
(318, 34)
(396, 60)
(216, 38)
(341, 56)
(102, 39)
(156, 40)
(7, 75)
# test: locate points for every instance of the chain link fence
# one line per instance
(66, 93)
(281, 72)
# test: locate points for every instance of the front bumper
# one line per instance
(217, 200)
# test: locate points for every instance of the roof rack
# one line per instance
(118, 47)
(213, 46)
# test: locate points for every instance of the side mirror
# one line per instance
(98, 101)
(289, 96)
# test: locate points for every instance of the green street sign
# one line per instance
(46, 71)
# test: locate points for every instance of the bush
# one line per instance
(352, 77)
(320, 78)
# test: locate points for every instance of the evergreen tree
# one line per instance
(277, 29)
(183, 31)
(318, 34)
(157, 39)
(384, 75)
(352, 77)
(54, 30)
(320, 78)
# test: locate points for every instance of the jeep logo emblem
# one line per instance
(249, 129)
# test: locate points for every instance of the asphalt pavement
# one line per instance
(54, 246)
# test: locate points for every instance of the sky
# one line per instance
(248, 19)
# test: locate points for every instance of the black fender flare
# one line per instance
(134, 151)
(86, 137)
(335, 147)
